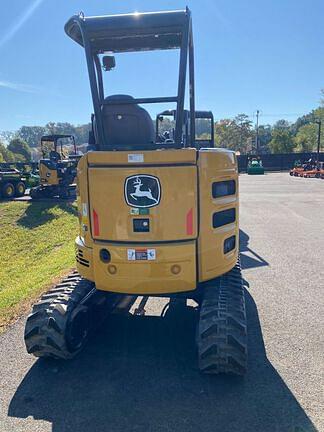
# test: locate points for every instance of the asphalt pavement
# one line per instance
(139, 373)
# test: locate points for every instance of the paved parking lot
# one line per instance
(140, 374)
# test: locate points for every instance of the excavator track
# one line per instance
(222, 330)
(62, 320)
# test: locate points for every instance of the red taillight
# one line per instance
(95, 223)
(190, 222)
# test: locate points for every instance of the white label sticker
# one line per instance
(131, 254)
(151, 254)
(141, 254)
(84, 209)
(136, 157)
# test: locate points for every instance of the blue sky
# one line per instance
(250, 55)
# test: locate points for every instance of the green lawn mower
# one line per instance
(255, 167)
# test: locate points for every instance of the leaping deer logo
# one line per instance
(137, 183)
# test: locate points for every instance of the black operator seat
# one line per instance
(126, 125)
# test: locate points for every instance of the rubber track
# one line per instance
(46, 325)
(222, 331)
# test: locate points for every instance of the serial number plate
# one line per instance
(141, 254)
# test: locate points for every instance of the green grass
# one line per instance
(36, 246)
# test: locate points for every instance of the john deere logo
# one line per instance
(142, 191)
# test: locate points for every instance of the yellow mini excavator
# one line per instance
(57, 168)
(158, 213)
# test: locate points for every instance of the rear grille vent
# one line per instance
(80, 259)
(224, 217)
(229, 244)
(223, 188)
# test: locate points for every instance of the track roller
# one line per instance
(222, 331)
(61, 321)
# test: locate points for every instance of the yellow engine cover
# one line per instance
(47, 175)
(152, 223)
(167, 220)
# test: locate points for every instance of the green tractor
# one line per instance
(31, 175)
(32, 179)
(255, 166)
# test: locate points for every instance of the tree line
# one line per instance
(23, 144)
(238, 134)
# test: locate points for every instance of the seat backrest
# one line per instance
(126, 124)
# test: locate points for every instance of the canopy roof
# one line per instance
(129, 32)
(54, 137)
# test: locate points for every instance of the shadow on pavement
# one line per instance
(140, 374)
(40, 212)
(249, 258)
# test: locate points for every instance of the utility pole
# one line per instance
(319, 122)
(257, 132)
